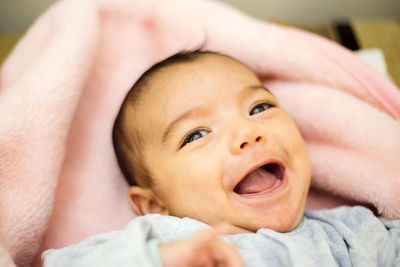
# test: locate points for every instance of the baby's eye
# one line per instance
(260, 108)
(193, 136)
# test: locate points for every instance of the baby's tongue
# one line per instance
(257, 181)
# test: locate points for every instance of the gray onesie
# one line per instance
(345, 236)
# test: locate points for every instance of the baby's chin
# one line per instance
(278, 227)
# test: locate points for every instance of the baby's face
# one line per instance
(221, 149)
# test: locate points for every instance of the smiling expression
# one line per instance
(219, 147)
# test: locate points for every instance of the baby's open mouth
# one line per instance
(263, 179)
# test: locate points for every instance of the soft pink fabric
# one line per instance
(94, 50)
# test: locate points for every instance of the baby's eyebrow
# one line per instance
(184, 116)
(260, 86)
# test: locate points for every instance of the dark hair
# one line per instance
(127, 142)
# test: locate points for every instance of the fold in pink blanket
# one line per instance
(64, 82)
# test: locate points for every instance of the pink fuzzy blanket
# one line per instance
(62, 86)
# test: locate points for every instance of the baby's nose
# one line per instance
(249, 135)
(244, 144)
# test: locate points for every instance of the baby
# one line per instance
(204, 143)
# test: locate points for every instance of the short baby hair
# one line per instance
(127, 141)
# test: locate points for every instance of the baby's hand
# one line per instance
(203, 249)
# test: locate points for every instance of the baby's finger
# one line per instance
(210, 234)
(227, 254)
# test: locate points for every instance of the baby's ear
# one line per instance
(144, 201)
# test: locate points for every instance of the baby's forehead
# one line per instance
(186, 71)
(179, 80)
(198, 60)
(203, 70)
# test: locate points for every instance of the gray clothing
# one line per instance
(345, 236)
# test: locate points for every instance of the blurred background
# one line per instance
(369, 27)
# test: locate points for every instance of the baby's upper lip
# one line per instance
(253, 168)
